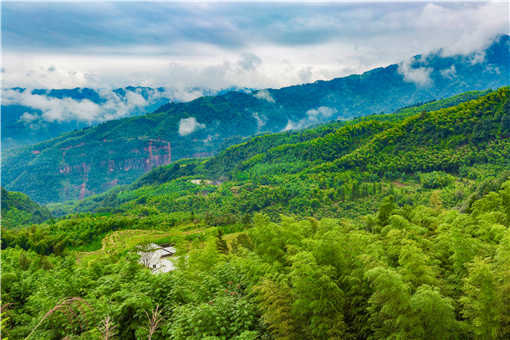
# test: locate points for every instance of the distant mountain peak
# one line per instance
(207, 124)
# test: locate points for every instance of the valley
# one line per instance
(335, 224)
(204, 126)
(244, 170)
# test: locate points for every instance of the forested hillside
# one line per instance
(330, 163)
(386, 227)
(91, 161)
(18, 210)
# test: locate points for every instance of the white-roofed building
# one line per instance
(159, 259)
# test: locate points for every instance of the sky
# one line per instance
(218, 45)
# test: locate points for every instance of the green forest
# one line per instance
(389, 226)
(92, 160)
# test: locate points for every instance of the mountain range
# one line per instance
(92, 160)
(372, 228)
(450, 136)
(33, 115)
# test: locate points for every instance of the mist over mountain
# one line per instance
(91, 160)
(33, 115)
(255, 170)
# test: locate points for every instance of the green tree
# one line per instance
(275, 303)
(385, 210)
(433, 315)
(481, 301)
(221, 244)
(318, 301)
(390, 305)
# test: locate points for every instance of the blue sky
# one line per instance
(217, 45)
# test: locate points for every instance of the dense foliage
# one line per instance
(403, 272)
(396, 227)
(18, 209)
(337, 169)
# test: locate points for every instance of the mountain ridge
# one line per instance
(205, 125)
(332, 155)
(19, 210)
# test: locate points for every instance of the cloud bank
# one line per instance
(68, 109)
(53, 109)
(313, 116)
(264, 95)
(321, 112)
(449, 73)
(112, 105)
(254, 45)
(189, 125)
(260, 119)
(417, 75)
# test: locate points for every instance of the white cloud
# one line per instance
(220, 51)
(305, 74)
(477, 57)
(249, 61)
(321, 112)
(54, 109)
(292, 126)
(68, 109)
(313, 116)
(264, 95)
(493, 69)
(32, 121)
(183, 95)
(449, 73)
(419, 75)
(464, 28)
(27, 117)
(189, 125)
(135, 98)
(260, 119)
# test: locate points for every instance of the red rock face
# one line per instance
(114, 164)
(156, 153)
(83, 188)
(159, 152)
(168, 153)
